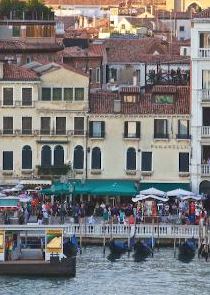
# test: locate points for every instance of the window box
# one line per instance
(79, 171)
(184, 174)
(146, 173)
(130, 172)
(96, 171)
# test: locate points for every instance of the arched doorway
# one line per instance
(26, 157)
(204, 187)
(46, 156)
(96, 158)
(78, 162)
(131, 159)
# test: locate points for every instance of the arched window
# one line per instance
(131, 159)
(46, 156)
(96, 158)
(26, 157)
(78, 157)
(58, 156)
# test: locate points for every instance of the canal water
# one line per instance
(96, 275)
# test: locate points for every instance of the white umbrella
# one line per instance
(2, 195)
(152, 191)
(143, 197)
(179, 193)
(196, 198)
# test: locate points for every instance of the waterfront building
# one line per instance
(200, 105)
(141, 136)
(42, 122)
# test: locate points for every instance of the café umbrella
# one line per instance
(179, 193)
(143, 198)
(152, 191)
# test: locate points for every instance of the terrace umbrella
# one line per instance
(179, 193)
(143, 197)
(152, 191)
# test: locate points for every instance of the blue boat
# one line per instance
(143, 249)
(70, 246)
(120, 247)
(187, 249)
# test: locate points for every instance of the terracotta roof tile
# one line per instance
(82, 2)
(15, 73)
(17, 45)
(103, 103)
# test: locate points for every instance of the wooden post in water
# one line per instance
(129, 238)
(158, 240)
(152, 236)
(174, 240)
(104, 239)
(80, 236)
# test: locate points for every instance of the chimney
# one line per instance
(1, 70)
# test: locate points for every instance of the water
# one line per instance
(96, 275)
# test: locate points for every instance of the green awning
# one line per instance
(93, 187)
(165, 186)
(9, 202)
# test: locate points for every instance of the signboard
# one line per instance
(54, 241)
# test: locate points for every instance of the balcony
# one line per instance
(205, 131)
(161, 136)
(52, 170)
(205, 170)
(183, 136)
(204, 52)
(132, 136)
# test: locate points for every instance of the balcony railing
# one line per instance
(131, 136)
(97, 136)
(205, 131)
(17, 103)
(41, 132)
(183, 136)
(161, 136)
(205, 169)
(204, 52)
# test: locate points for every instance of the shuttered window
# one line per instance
(26, 96)
(183, 162)
(8, 125)
(7, 160)
(131, 159)
(60, 125)
(26, 125)
(97, 129)
(26, 157)
(46, 94)
(160, 128)
(78, 157)
(68, 94)
(8, 96)
(57, 94)
(96, 158)
(79, 125)
(146, 161)
(58, 156)
(132, 129)
(79, 94)
(45, 125)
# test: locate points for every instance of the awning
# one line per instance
(165, 186)
(9, 203)
(35, 182)
(93, 187)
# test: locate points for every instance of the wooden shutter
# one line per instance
(126, 129)
(138, 129)
(91, 129)
(102, 129)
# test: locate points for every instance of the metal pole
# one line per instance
(174, 241)
(80, 236)
(129, 238)
(158, 240)
(104, 239)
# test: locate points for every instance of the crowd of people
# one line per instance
(43, 211)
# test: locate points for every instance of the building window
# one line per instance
(129, 98)
(60, 125)
(184, 51)
(181, 28)
(57, 94)
(183, 129)
(26, 96)
(96, 158)
(90, 74)
(68, 94)
(113, 75)
(183, 162)
(16, 31)
(46, 94)
(45, 125)
(205, 79)
(7, 125)
(131, 159)
(79, 126)
(160, 128)
(132, 129)
(8, 96)
(26, 125)
(46, 156)
(79, 94)
(146, 161)
(123, 26)
(98, 75)
(97, 129)
(7, 160)
(58, 156)
(138, 76)
(78, 157)
(26, 157)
